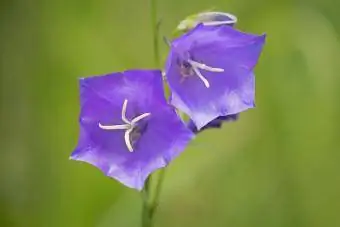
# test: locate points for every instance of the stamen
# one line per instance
(127, 139)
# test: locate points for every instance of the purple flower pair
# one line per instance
(129, 129)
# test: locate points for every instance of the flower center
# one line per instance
(191, 67)
(132, 131)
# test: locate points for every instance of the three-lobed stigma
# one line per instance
(191, 67)
(129, 126)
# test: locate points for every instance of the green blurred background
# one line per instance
(277, 166)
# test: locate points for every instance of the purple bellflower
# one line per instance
(210, 72)
(216, 123)
(127, 129)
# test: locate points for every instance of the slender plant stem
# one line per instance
(155, 31)
(151, 197)
(158, 189)
(150, 203)
(146, 217)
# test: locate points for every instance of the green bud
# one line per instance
(207, 18)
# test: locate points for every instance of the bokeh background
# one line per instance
(277, 166)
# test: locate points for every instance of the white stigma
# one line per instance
(128, 126)
(196, 66)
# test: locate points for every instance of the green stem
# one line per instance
(146, 217)
(150, 203)
(155, 31)
(154, 203)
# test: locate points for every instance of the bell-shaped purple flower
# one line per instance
(210, 72)
(127, 129)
